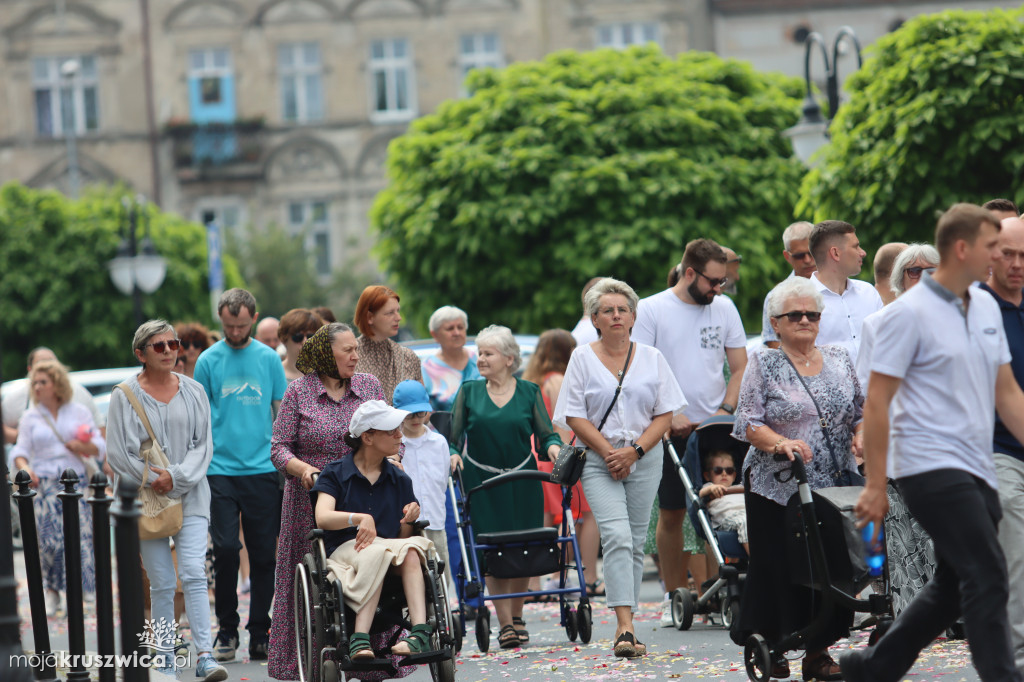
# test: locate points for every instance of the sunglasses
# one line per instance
(915, 273)
(797, 315)
(301, 337)
(395, 432)
(161, 346)
(800, 256)
(718, 471)
(198, 345)
(720, 282)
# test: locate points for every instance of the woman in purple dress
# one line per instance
(315, 414)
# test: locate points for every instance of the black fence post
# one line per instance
(69, 498)
(10, 624)
(129, 575)
(100, 503)
(34, 573)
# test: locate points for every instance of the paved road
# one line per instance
(703, 652)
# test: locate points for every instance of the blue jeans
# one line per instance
(623, 510)
(256, 499)
(190, 545)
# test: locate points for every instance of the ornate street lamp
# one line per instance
(811, 132)
(138, 268)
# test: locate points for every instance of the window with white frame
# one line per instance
(478, 51)
(622, 35)
(210, 65)
(226, 214)
(66, 97)
(392, 86)
(300, 73)
(312, 219)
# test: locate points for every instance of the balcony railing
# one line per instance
(210, 146)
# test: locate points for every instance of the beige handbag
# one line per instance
(161, 515)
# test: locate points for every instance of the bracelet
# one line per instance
(727, 407)
(639, 451)
(350, 514)
(779, 442)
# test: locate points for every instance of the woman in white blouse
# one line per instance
(623, 465)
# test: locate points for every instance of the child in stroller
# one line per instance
(724, 498)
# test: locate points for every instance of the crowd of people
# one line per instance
(891, 385)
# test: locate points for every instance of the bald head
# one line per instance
(1007, 278)
(884, 259)
(266, 331)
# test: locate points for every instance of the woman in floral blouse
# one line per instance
(314, 415)
(378, 316)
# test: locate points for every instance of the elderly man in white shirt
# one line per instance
(837, 253)
(797, 253)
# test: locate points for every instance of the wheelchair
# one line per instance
(323, 623)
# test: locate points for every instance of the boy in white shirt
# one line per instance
(426, 461)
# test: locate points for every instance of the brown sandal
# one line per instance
(820, 666)
(625, 646)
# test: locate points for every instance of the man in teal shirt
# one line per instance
(245, 383)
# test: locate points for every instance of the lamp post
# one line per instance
(138, 268)
(811, 131)
(68, 71)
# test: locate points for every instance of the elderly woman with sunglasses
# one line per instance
(314, 416)
(179, 413)
(777, 414)
(296, 327)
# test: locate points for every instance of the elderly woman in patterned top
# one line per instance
(314, 415)
(778, 417)
(378, 316)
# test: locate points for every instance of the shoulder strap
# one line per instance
(618, 389)
(821, 419)
(53, 427)
(134, 400)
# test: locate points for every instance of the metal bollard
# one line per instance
(34, 572)
(11, 651)
(129, 575)
(100, 504)
(69, 498)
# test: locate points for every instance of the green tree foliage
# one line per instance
(598, 163)
(55, 289)
(933, 118)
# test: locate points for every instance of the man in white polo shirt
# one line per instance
(941, 359)
(838, 255)
(697, 331)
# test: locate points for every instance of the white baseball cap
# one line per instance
(375, 414)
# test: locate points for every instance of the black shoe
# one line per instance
(852, 666)
(258, 647)
(225, 644)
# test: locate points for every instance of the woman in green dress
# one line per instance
(495, 417)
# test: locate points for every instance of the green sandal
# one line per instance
(416, 642)
(359, 648)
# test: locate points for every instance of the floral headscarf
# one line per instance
(317, 355)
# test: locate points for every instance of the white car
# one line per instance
(99, 382)
(425, 347)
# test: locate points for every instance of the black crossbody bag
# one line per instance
(569, 462)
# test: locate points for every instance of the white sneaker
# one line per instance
(52, 602)
(666, 611)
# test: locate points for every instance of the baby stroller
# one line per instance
(826, 553)
(721, 595)
(323, 622)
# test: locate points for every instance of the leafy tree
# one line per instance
(933, 118)
(598, 163)
(55, 289)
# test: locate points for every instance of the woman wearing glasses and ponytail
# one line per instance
(782, 392)
(179, 413)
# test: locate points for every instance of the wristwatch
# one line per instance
(726, 407)
(639, 451)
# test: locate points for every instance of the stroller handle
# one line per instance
(508, 477)
(797, 466)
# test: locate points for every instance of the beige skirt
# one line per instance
(361, 573)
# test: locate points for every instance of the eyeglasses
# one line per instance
(800, 256)
(797, 315)
(161, 346)
(621, 310)
(718, 471)
(394, 433)
(915, 273)
(300, 337)
(198, 345)
(720, 282)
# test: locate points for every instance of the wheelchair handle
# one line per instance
(508, 477)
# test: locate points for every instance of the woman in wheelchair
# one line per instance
(367, 508)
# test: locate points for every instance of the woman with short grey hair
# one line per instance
(609, 286)
(453, 364)
(912, 262)
(794, 287)
(497, 417)
(179, 412)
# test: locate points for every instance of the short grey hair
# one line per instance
(926, 252)
(445, 314)
(592, 301)
(798, 230)
(790, 288)
(336, 328)
(148, 330)
(235, 299)
(500, 338)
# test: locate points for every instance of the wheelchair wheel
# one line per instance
(304, 625)
(483, 629)
(683, 609)
(571, 631)
(730, 612)
(757, 659)
(584, 623)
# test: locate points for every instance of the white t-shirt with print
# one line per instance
(693, 339)
(426, 461)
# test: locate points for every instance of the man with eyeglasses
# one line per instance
(245, 383)
(1006, 283)
(838, 255)
(697, 331)
(797, 253)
